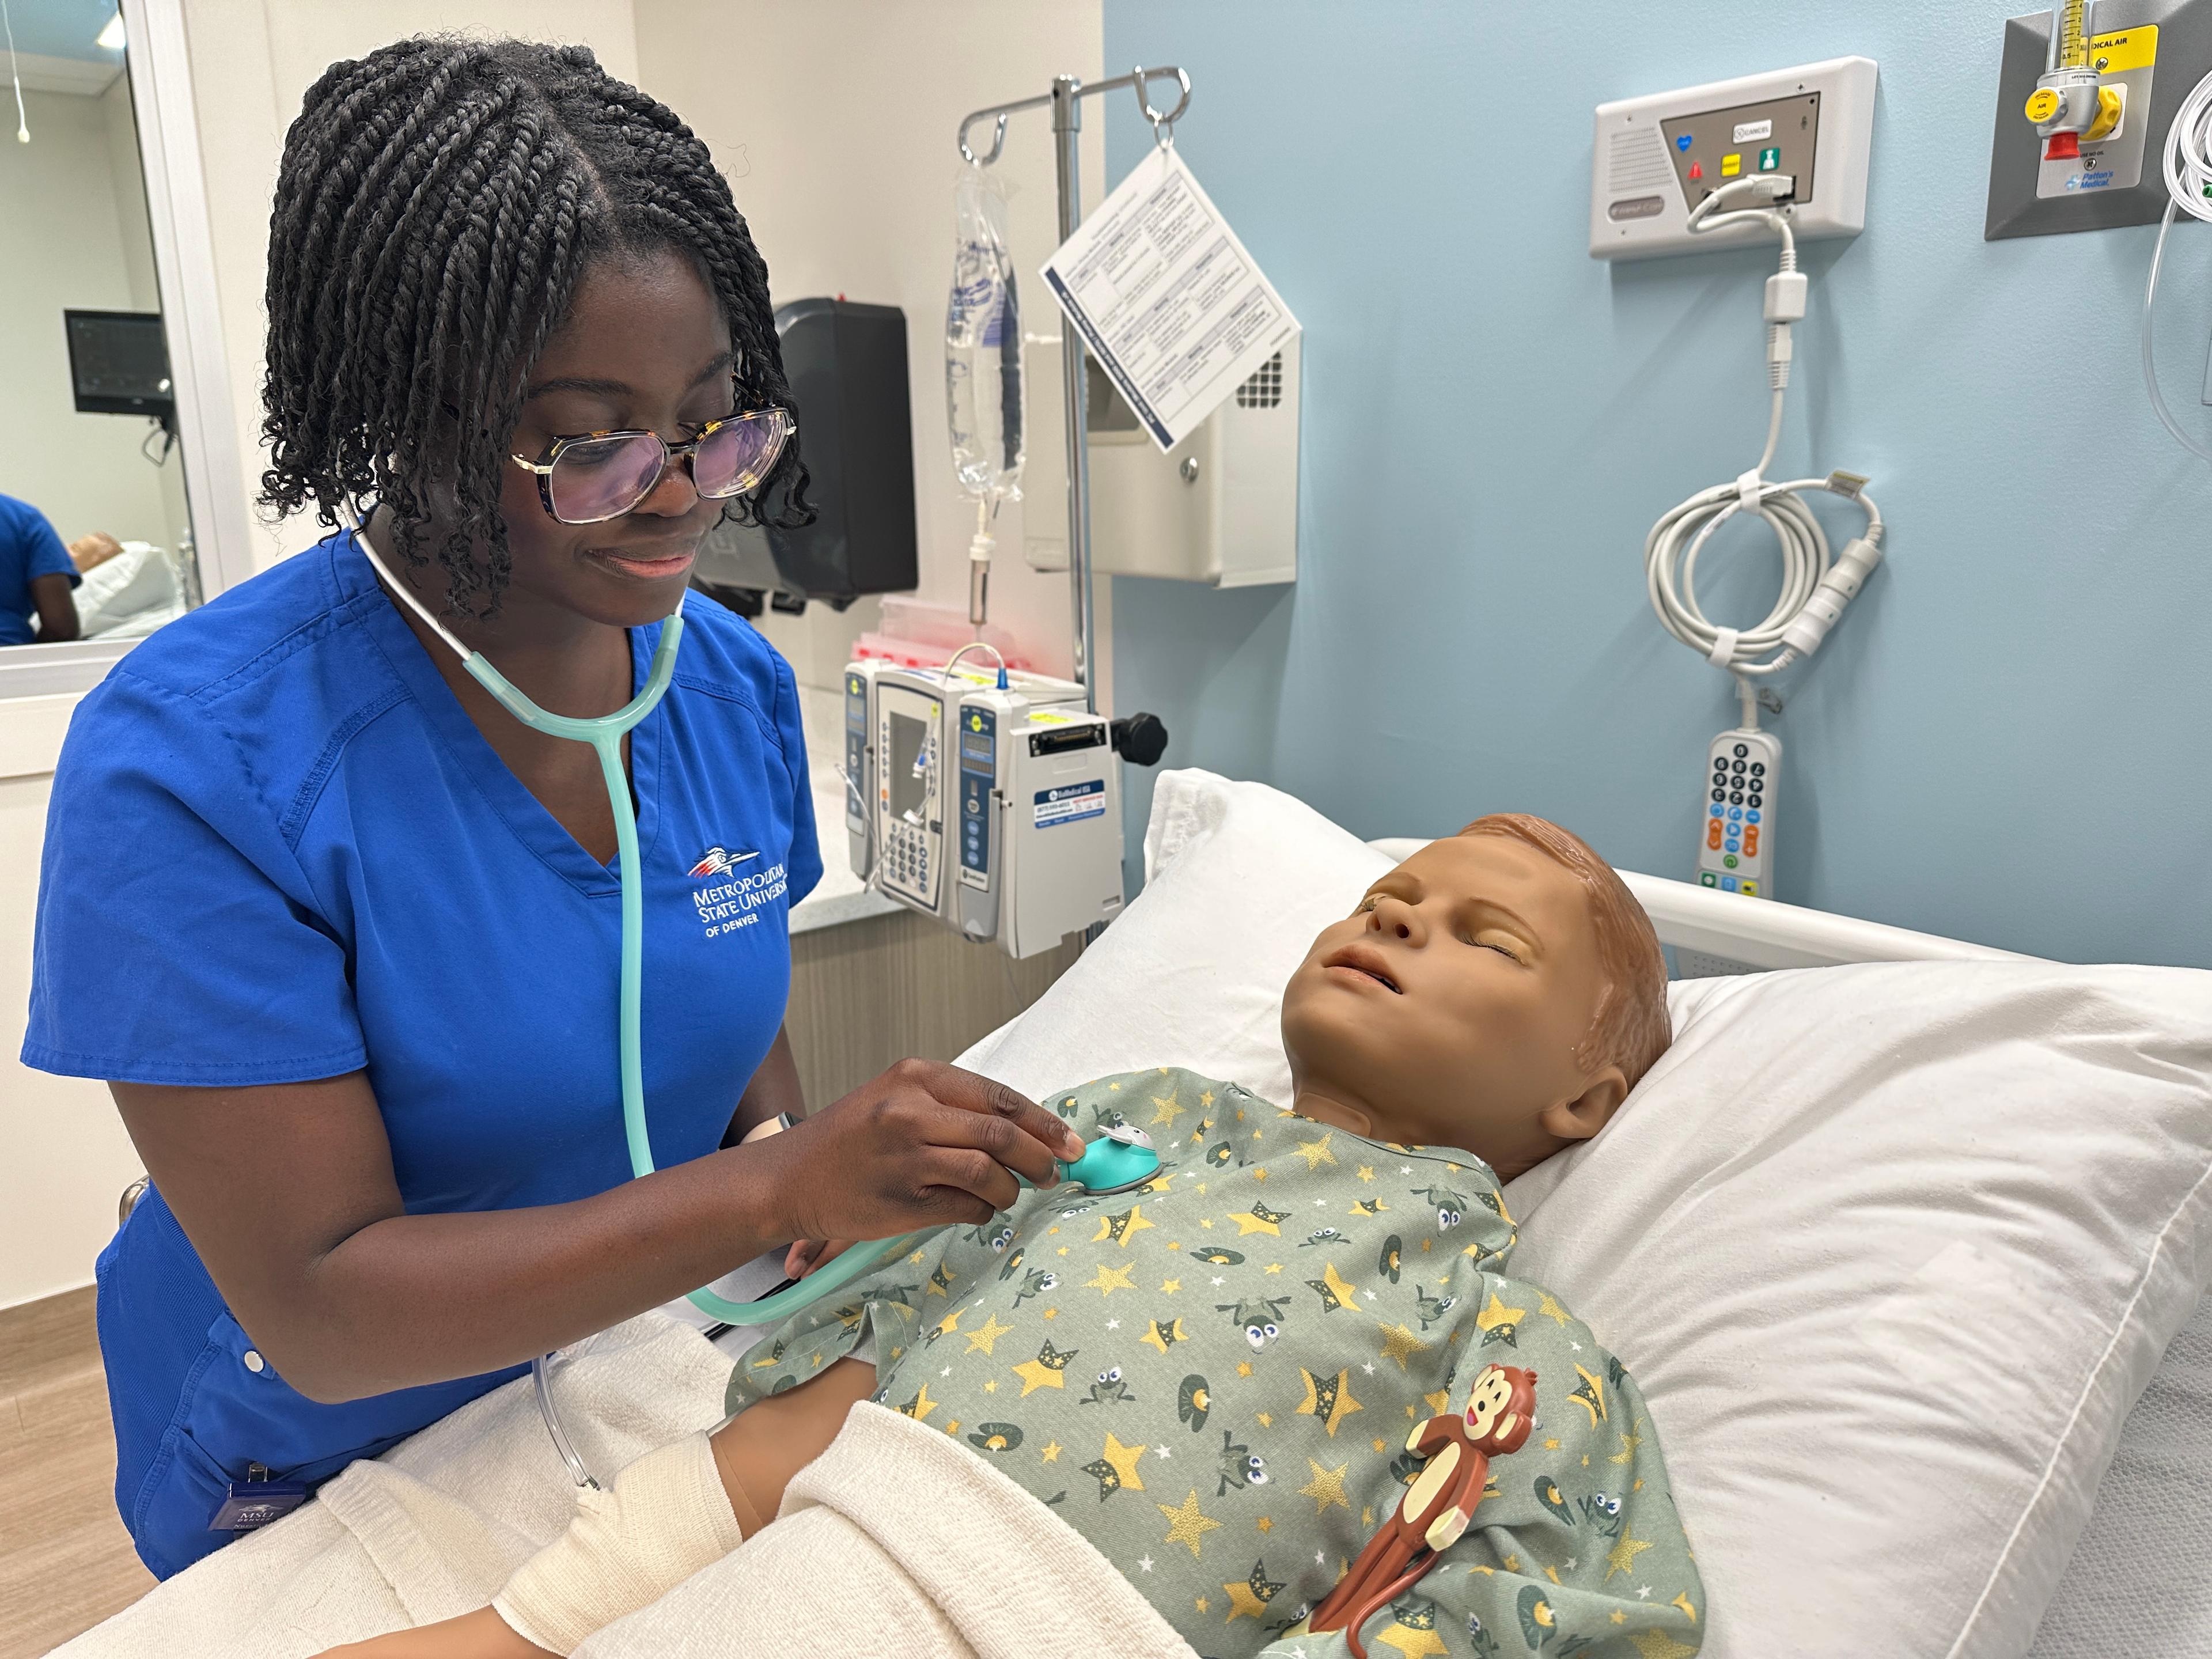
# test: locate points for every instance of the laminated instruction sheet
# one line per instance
(1167, 299)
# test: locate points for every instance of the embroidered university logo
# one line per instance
(716, 859)
(735, 888)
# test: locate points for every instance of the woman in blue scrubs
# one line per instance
(341, 935)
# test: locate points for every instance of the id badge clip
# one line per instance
(256, 1501)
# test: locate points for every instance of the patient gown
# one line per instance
(1212, 1379)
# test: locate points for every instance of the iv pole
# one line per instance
(1066, 124)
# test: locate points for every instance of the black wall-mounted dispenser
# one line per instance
(846, 364)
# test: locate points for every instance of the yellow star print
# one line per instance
(1035, 1374)
(1186, 1522)
(1550, 1308)
(1124, 1460)
(1161, 1335)
(1658, 1644)
(1328, 1399)
(1107, 1280)
(1683, 1602)
(1170, 1285)
(1440, 1403)
(1629, 1442)
(1118, 1228)
(1622, 1557)
(1168, 1113)
(1401, 1344)
(1316, 1152)
(1336, 1292)
(981, 1340)
(1327, 1487)
(1413, 1644)
(1250, 1598)
(1498, 1314)
(1367, 1172)
(1052, 1452)
(1258, 1219)
(950, 1322)
(920, 1405)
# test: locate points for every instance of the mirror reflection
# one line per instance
(95, 532)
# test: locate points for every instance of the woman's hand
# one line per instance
(921, 1146)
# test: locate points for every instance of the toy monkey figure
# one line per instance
(1439, 1505)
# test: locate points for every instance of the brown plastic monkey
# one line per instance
(1439, 1505)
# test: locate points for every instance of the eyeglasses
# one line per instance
(599, 476)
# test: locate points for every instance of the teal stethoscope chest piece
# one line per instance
(1121, 1159)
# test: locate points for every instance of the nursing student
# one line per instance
(36, 575)
(341, 932)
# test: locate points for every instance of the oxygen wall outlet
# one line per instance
(2144, 55)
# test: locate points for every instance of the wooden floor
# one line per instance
(65, 1562)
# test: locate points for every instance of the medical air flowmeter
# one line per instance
(1778, 154)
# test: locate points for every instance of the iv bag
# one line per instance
(983, 345)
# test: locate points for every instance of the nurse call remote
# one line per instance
(1736, 851)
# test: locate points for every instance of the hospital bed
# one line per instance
(1239, 876)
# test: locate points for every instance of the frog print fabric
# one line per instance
(1213, 1378)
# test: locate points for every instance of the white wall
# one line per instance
(71, 243)
(834, 121)
(63, 1157)
(252, 61)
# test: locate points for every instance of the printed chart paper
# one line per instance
(1167, 299)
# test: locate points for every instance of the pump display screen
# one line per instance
(907, 772)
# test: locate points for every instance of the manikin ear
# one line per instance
(1580, 1117)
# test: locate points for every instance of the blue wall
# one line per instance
(2007, 739)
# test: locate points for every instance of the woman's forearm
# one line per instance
(412, 1299)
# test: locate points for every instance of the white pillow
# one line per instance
(1892, 1248)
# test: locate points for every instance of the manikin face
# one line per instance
(645, 347)
(1450, 1007)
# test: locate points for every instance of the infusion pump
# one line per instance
(997, 809)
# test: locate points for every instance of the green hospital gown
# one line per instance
(1211, 1378)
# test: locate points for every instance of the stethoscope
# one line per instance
(1122, 1158)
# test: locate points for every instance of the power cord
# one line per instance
(2188, 180)
(1814, 591)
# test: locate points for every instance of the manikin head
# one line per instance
(1500, 991)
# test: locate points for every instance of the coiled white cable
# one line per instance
(2188, 180)
(1814, 591)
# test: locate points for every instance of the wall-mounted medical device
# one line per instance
(2085, 94)
(1752, 158)
(991, 801)
(1654, 158)
(1221, 506)
(846, 364)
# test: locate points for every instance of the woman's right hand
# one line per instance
(921, 1146)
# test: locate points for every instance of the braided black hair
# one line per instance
(439, 200)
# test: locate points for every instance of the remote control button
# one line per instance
(1758, 769)
(1729, 860)
(1736, 814)
(1741, 751)
(1719, 811)
(1755, 798)
(1733, 846)
(1707, 878)
(1751, 817)
(1750, 842)
(1735, 797)
(1719, 795)
(1739, 766)
(1713, 835)
(1728, 882)
(1751, 887)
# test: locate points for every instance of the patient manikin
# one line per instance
(1238, 1381)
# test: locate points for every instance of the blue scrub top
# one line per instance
(28, 548)
(278, 849)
